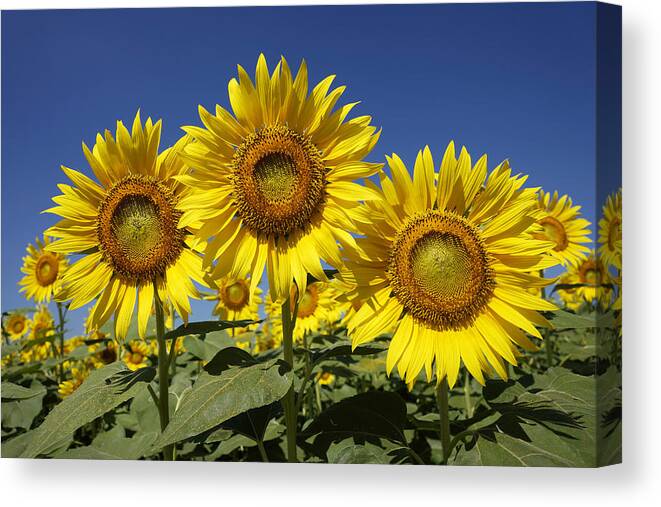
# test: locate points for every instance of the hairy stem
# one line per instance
(442, 400)
(163, 373)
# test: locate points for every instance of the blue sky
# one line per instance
(514, 81)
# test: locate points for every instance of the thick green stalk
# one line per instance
(442, 400)
(548, 346)
(60, 331)
(467, 394)
(163, 373)
(289, 401)
(262, 451)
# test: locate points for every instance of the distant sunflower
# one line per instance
(325, 378)
(42, 323)
(317, 309)
(273, 182)
(43, 271)
(570, 296)
(17, 325)
(137, 354)
(41, 326)
(610, 230)
(449, 266)
(563, 226)
(68, 387)
(103, 353)
(233, 300)
(596, 283)
(266, 339)
(127, 228)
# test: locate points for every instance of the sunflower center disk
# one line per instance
(276, 176)
(439, 270)
(554, 231)
(236, 296)
(18, 326)
(590, 273)
(46, 269)
(137, 228)
(279, 181)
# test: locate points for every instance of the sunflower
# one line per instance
(103, 353)
(43, 271)
(596, 283)
(448, 266)
(570, 296)
(325, 378)
(78, 375)
(561, 224)
(42, 326)
(73, 343)
(273, 182)
(42, 323)
(17, 325)
(317, 310)
(346, 307)
(127, 228)
(234, 301)
(266, 339)
(137, 354)
(610, 230)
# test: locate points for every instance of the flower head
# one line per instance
(273, 181)
(448, 265)
(43, 270)
(126, 226)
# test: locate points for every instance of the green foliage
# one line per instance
(225, 404)
(12, 391)
(93, 399)
(217, 398)
(543, 420)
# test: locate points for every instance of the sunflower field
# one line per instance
(430, 311)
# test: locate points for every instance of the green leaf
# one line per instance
(545, 420)
(10, 348)
(505, 450)
(113, 444)
(227, 357)
(200, 348)
(12, 391)
(374, 414)
(216, 398)
(346, 452)
(207, 326)
(16, 446)
(91, 400)
(124, 380)
(567, 320)
(21, 413)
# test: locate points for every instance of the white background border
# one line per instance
(636, 482)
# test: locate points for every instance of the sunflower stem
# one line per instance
(442, 400)
(289, 401)
(163, 373)
(60, 332)
(548, 346)
(467, 394)
(262, 450)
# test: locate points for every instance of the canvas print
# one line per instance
(360, 234)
